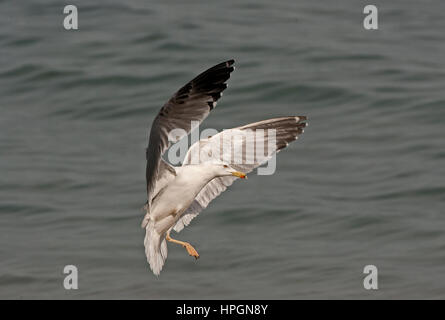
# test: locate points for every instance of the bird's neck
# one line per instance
(202, 174)
(209, 172)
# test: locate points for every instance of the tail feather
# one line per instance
(155, 248)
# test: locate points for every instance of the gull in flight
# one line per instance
(176, 195)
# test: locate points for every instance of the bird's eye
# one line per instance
(226, 166)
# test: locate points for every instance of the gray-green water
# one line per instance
(364, 185)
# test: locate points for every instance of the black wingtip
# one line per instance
(230, 62)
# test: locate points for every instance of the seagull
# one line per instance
(177, 194)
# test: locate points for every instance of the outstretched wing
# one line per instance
(192, 102)
(244, 148)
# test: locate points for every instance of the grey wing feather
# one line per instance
(287, 129)
(166, 174)
(192, 102)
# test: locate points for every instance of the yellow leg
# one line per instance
(186, 245)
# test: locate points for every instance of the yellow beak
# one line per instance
(239, 174)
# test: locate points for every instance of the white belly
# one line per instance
(175, 198)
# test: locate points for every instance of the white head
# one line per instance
(223, 169)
